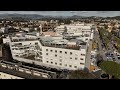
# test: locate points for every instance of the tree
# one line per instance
(106, 26)
(111, 68)
(80, 74)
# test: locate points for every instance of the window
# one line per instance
(70, 65)
(46, 49)
(60, 51)
(82, 63)
(60, 56)
(51, 59)
(55, 55)
(46, 53)
(65, 52)
(76, 55)
(75, 66)
(55, 63)
(70, 53)
(51, 62)
(19, 43)
(81, 58)
(51, 50)
(60, 60)
(65, 64)
(47, 61)
(56, 51)
(40, 53)
(70, 57)
(76, 58)
(40, 49)
(60, 64)
(36, 43)
(40, 60)
(82, 54)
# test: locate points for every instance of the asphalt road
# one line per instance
(101, 52)
(115, 56)
(88, 62)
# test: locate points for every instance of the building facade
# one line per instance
(51, 51)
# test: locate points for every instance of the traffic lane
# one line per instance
(116, 58)
(101, 49)
(88, 55)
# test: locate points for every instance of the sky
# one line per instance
(67, 13)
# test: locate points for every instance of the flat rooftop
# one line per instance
(51, 41)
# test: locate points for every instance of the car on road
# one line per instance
(118, 57)
(104, 76)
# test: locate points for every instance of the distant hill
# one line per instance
(36, 16)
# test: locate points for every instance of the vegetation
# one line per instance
(103, 34)
(80, 74)
(111, 68)
(94, 45)
(106, 26)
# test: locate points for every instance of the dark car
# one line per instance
(104, 76)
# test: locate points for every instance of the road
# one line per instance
(101, 52)
(88, 62)
(115, 56)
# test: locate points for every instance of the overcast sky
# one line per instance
(67, 13)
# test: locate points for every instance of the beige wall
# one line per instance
(8, 76)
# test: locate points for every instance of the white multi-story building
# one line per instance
(49, 51)
(4, 29)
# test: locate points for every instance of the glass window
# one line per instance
(81, 58)
(60, 56)
(51, 62)
(55, 63)
(55, 55)
(70, 65)
(56, 51)
(47, 61)
(60, 64)
(60, 51)
(75, 66)
(36, 43)
(70, 53)
(82, 63)
(40, 60)
(76, 55)
(82, 54)
(46, 53)
(65, 52)
(70, 57)
(60, 60)
(46, 49)
(51, 50)
(76, 58)
(65, 64)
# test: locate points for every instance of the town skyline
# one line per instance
(67, 13)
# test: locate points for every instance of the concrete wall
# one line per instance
(8, 76)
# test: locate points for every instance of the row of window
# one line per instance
(61, 64)
(59, 51)
(65, 52)
(70, 57)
